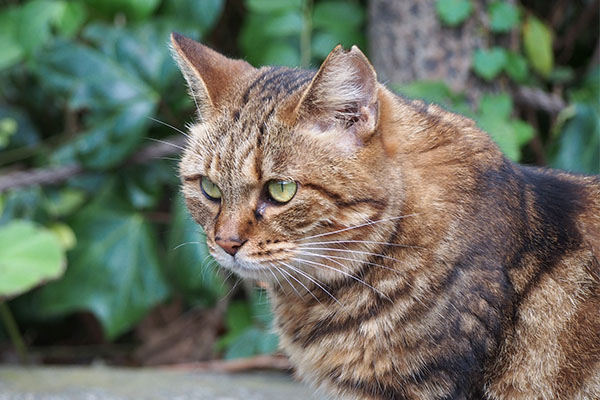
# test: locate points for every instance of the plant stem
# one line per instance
(13, 331)
(305, 37)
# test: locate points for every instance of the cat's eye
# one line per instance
(209, 189)
(281, 191)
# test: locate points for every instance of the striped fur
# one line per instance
(415, 261)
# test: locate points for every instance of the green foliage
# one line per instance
(537, 39)
(503, 16)
(114, 271)
(489, 63)
(29, 256)
(493, 114)
(249, 328)
(453, 12)
(294, 32)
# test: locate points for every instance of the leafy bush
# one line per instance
(88, 88)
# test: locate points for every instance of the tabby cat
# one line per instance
(406, 257)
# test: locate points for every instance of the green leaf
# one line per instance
(453, 12)
(12, 51)
(503, 16)
(489, 63)
(578, 146)
(64, 201)
(327, 14)
(281, 53)
(136, 9)
(194, 14)
(71, 18)
(523, 131)
(113, 271)
(499, 105)
(120, 84)
(8, 127)
(29, 256)
(537, 38)
(287, 24)
(503, 134)
(516, 66)
(36, 18)
(270, 6)
(190, 267)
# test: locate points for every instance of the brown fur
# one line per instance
(455, 274)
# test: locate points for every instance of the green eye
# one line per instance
(282, 191)
(209, 189)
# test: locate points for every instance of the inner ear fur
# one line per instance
(211, 76)
(344, 91)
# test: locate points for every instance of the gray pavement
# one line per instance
(102, 383)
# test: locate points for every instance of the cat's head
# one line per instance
(281, 158)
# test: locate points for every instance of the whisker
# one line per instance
(347, 259)
(301, 284)
(312, 279)
(362, 241)
(342, 272)
(284, 273)
(368, 253)
(184, 244)
(358, 226)
(167, 143)
(277, 280)
(170, 126)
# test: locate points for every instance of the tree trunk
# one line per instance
(408, 42)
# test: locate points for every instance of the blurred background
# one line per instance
(99, 261)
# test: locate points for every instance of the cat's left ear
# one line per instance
(344, 91)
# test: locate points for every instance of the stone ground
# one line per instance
(102, 383)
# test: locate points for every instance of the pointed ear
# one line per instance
(344, 91)
(211, 77)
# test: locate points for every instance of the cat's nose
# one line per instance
(231, 245)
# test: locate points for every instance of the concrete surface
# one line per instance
(102, 383)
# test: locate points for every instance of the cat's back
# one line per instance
(554, 346)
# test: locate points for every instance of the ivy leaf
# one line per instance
(113, 271)
(489, 63)
(499, 105)
(12, 51)
(578, 146)
(453, 12)
(501, 131)
(516, 66)
(29, 256)
(503, 16)
(537, 39)
(270, 6)
(135, 9)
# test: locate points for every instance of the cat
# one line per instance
(405, 256)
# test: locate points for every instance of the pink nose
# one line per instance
(231, 245)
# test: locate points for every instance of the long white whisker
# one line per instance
(300, 282)
(362, 241)
(308, 253)
(284, 273)
(167, 143)
(342, 272)
(368, 253)
(170, 126)
(358, 226)
(314, 280)
(184, 244)
(277, 280)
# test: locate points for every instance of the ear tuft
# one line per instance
(211, 77)
(344, 91)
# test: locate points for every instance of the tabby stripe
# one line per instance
(246, 95)
(337, 198)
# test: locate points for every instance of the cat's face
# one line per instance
(278, 164)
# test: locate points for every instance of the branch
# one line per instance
(539, 99)
(54, 175)
(277, 362)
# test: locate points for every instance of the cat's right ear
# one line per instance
(211, 76)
